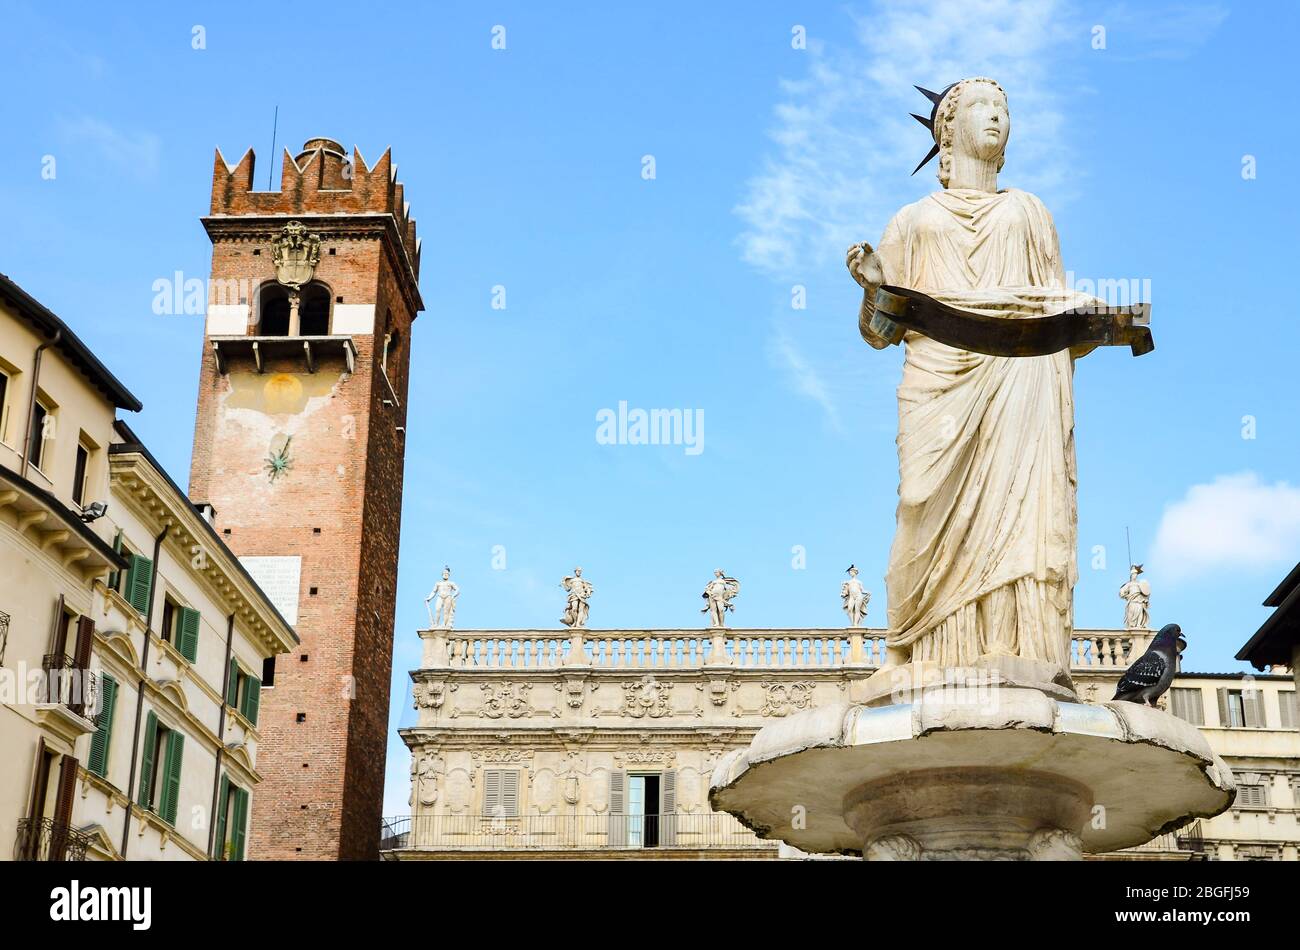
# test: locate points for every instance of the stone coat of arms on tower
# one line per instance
(295, 254)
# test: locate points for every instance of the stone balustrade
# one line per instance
(758, 649)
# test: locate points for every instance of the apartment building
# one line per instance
(133, 644)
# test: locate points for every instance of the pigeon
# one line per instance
(1151, 675)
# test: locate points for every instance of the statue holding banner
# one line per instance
(983, 559)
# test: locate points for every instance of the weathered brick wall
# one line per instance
(338, 507)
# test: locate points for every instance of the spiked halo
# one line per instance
(936, 98)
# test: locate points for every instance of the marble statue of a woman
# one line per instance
(983, 560)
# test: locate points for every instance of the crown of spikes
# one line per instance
(935, 98)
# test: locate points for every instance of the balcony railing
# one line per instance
(485, 650)
(68, 686)
(710, 831)
(43, 839)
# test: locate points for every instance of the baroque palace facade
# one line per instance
(536, 743)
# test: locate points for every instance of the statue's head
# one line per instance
(718, 573)
(446, 573)
(972, 120)
(852, 571)
(577, 572)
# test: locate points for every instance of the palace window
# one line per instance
(4, 406)
(79, 475)
(101, 741)
(1187, 704)
(42, 432)
(160, 772)
(1286, 700)
(1241, 708)
(232, 821)
(642, 809)
(243, 692)
(501, 793)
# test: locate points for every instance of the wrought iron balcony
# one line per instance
(44, 839)
(711, 831)
(68, 686)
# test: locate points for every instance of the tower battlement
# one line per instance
(320, 179)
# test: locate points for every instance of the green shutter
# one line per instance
(232, 685)
(171, 791)
(146, 763)
(252, 699)
(116, 576)
(98, 762)
(219, 848)
(240, 819)
(139, 583)
(189, 636)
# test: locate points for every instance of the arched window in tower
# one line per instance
(273, 310)
(314, 310)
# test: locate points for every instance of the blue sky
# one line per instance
(524, 169)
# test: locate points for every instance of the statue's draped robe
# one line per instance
(983, 560)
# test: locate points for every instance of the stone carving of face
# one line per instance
(446, 573)
(982, 121)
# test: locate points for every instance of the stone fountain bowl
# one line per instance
(833, 779)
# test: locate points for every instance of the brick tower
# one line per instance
(298, 447)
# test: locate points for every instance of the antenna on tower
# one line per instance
(270, 165)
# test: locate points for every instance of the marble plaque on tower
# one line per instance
(280, 579)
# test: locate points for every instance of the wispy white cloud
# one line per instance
(1234, 522)
(844, 143)
(803, 377)
(138, 154)
(1170, 32)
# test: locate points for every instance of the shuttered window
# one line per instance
(223, 806)
(145, 795)
(239, 820)
(617, 806)
(501, 793)
(171, 777)
(139, 583)
(1252, 796)
(1232, 712)
(160, 768)
(188, 633)
(252, 698)
(232, 685)
(100, 741)
(115, 577)
(1187, 704)
(668, 821)
(1252, 702)
(1286, 700)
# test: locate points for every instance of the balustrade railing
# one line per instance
(704, 831)
(736, 648)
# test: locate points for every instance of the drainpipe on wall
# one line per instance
(221, 735)
(31, 397)
(139, 692)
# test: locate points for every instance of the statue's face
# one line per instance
(983, 122)
(446, 575)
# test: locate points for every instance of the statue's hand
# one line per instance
(864, 266)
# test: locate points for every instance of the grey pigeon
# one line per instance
(1151, 675)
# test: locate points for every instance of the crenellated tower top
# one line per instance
(320, 180)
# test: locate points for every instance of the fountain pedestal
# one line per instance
(973, 771)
